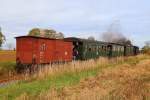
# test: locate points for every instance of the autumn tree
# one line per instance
(146, 48)
(2, 38)
(47, 33)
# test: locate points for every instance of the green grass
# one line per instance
(35, 87)
(7, 65)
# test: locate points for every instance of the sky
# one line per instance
(78, 18)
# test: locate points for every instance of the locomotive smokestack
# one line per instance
(115, 35)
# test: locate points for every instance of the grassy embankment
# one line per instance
(41, 85)
(7, 62)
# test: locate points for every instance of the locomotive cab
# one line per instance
(77, 47)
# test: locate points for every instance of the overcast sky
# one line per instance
(81, 18)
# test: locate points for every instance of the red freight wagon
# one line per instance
(38, 50)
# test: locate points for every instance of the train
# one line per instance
(31, 50)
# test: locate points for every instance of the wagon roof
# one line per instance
(37, 37)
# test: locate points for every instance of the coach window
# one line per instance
(102, 47)
(121, 49)
(113, 48)
(90, 49)
(93, 48)
(105, 48)
(117, 49)
(85, 46)
(97, 48)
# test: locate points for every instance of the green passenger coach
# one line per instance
(84, 49)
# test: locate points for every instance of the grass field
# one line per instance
(116, 79)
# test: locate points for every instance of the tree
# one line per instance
(60, 35)
(91, 38)
(47, 33)
(147, 43)
(34, 32)
(2, 38)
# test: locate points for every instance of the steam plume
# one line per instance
(114, 34)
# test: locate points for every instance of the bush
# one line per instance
(146, 50)
(6, 67)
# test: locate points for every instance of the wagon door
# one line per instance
(42, 56)
(35, 51)
(24, 50)
(67, 54)
(59, 49)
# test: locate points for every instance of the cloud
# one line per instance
(75, 17)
